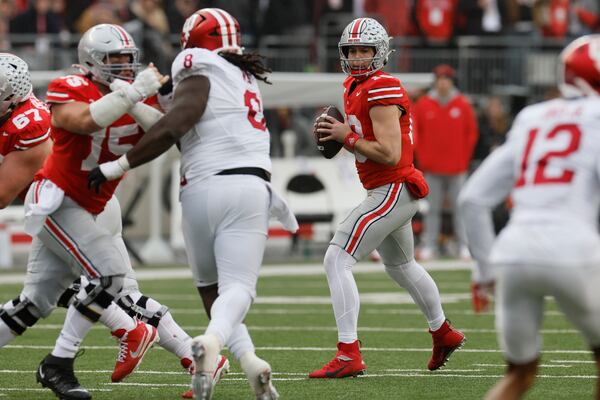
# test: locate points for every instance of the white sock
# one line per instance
(172, 337)
(422, 288)
(228, 311)
(75, 328)
(114, 317)
(6, 335)
(240, 342)
(344, 293)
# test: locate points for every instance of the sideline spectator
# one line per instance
(481, 17)
(39, 18)
(446, 133)
(493, 125)
(435, 20)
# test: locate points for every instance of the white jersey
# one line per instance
(550, 165)
(232, 132)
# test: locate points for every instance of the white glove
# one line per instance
(146, 84)
(118, 84)
(115, 169)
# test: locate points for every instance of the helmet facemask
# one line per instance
(102, 41)
(364, 32)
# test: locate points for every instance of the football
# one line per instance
(330, 148)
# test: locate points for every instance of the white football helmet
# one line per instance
(579, 67)
(15, 82)
(365, 32)
(98, 43)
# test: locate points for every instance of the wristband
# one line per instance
(350, 140)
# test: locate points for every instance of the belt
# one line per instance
(261, 173)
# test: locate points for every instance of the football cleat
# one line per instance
(259, 375)
(481, 296)
(56, 374)
(133, 345)
(347, 362)
(222, 369)
(205, 350)
(446, 341)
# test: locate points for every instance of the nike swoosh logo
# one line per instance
(144, 343)
(335, 373)
(41, 372)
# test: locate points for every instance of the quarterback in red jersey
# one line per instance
(25, 126)
(378, 131)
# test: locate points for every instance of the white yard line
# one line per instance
(328, 349)
(330, 329)
(574, 361)
(271, 270)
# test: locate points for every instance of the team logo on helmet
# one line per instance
(15, 82)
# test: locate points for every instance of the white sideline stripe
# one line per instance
(274, 270)
(284, 348)
(331, 329)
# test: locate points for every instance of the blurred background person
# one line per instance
(446, 134)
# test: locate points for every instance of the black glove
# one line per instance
(95, 179)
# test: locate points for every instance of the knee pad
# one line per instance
(99, 292)
(22, 315)
(69, 294)
(139, 309)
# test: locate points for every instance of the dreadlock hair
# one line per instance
(251, 63)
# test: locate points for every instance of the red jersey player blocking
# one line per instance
(87, 126)
(378, 132)
(25, 126)
(550, 166)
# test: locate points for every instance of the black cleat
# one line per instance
(56, 374)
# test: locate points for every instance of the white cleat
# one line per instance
(205, 350)
(259, 373)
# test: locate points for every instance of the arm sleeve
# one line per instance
(487, 187)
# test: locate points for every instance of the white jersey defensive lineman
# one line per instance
(550, 164)
(232, 132)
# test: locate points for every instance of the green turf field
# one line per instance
(293, 328)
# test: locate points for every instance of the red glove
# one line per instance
(481, 296)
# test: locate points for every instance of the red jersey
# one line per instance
(74, 155)
(27, 126)
(380, 89)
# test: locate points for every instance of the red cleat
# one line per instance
(222, 369)
(133, 345)
(347, 362)
(446, 340)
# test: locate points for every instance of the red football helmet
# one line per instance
(579, 67)
(213, 29)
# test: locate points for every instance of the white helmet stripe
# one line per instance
(231, 27)
(222, 23)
